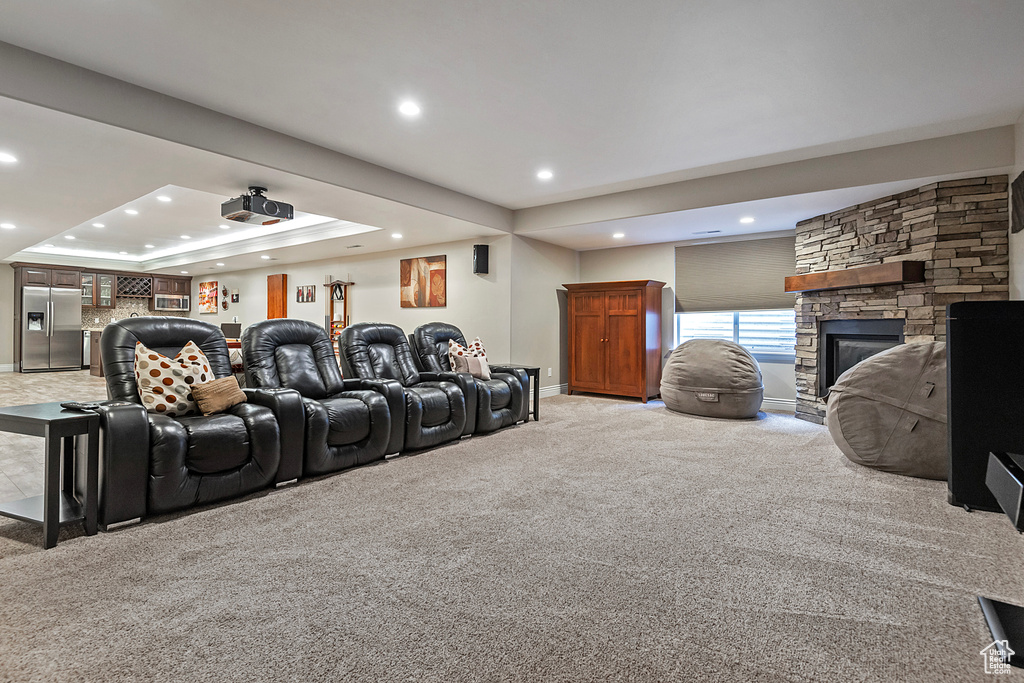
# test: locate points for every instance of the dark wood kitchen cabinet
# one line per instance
(615, 337)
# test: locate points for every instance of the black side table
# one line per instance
(534, 374)
(58, 505)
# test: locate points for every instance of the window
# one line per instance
(770, 333)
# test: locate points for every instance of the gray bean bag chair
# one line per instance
(889, 411)
(714, 378)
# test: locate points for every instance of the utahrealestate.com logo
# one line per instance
(997, 657)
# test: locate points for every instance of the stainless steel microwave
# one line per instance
(170, 302)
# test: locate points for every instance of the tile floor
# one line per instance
(21, 457)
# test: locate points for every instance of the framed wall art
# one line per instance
(208, 297)
(423, 282)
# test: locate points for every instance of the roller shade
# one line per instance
(735, 276)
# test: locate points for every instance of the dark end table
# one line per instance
(534, 375)
(58, 505)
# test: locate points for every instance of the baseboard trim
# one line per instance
(6, 367)
(547, 392)
(780, 404)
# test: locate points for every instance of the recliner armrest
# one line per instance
(524, 379)
(394, 392)
(467, 384)
(124, 461)
(286, 404)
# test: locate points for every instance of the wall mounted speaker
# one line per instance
(480, 258)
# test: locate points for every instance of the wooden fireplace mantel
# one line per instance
(895, 273)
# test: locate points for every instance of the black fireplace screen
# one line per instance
(844, 343)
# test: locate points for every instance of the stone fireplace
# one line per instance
(957, 228)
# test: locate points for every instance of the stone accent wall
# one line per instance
(959, 228)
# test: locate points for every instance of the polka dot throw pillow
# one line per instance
(474, 350)
(165, 384)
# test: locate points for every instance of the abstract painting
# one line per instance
(208, 296)
(424, 283)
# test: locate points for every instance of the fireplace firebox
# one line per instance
(844, 343)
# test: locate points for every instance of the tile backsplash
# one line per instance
(124, 309)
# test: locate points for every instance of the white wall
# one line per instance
(658, 262)
(539, 305)
(477, 304)
(1017, 241)
(6, 316)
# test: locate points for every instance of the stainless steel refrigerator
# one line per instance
(51, 333)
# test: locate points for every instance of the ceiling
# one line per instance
(611, 98)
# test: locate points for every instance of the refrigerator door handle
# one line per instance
(49, 312)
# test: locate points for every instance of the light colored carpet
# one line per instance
(610, 541)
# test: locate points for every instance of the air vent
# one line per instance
(708, 232)
(353, 246)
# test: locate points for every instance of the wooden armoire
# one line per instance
(615, 338)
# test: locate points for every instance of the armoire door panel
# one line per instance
(625, 353)
(623, 302)
(588, 355)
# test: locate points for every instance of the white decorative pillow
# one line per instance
(165, 384)
(474, 350)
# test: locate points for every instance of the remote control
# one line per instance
(75, 405)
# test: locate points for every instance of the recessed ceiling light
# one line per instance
(123, 253)
(98, 225)
(186, 237)
(409, 108)
(265, 257)
(131, 212)
(225, 227)
(619, 235)
(184, 272)
(220, 264)
(396, 235)
(149, 246)
(545, 174)
(747, 219)
(8, 158)
(69, 237)
(163, 198)
(8, 226)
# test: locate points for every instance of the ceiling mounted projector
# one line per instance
(256, 209)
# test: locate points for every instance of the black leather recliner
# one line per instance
(500, 401)
(437, 405)
(348, 421)
(152, 464)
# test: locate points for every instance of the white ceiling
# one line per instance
(610, 95)
(604, 92)
(73, 172)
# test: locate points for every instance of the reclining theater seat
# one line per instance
(436, 404)
(500, 401)
(348, 422)
(152, 463)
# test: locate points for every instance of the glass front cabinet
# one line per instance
(98, 290)
(88, 286)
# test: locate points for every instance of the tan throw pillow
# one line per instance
(218, 395)
(476, 366)
(165, 384)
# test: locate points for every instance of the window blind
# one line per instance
(735, 276)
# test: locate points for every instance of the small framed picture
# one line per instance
(234, 296)
(305, 294)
